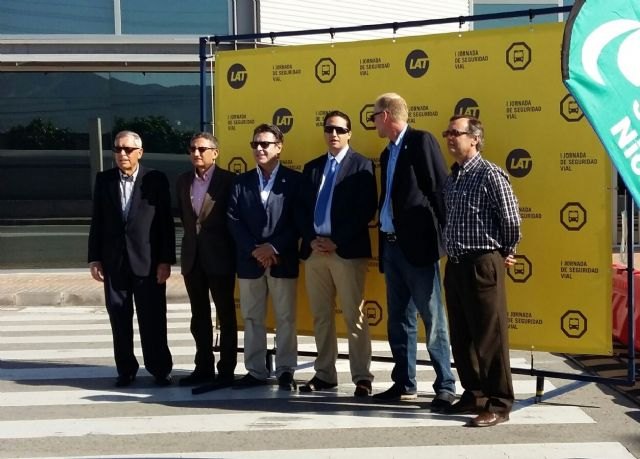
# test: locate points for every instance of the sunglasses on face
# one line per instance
(453, 133)
(339, 130)
(200, 150)
(126, 150)
(263, 144)
(371, 118)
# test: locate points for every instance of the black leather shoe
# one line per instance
(315, 384)
(248, 381)
(363, 388)
(197, 377)
(442, 402)
(162, 381)
(488, 419)
(125, 380)
(394, 394)
(463, 407)
(286, 381)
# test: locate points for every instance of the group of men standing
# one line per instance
(259, 224)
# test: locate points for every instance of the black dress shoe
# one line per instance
(363, 388)
(197, 377)
(488, 419)
(286, 381)
(442, 402)
(394, 394)
(162, 381)
(125, 380)
(315, 384)
(463, 407)
(248, 381)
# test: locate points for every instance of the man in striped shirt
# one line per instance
(481, 233)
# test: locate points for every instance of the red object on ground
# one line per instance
(619, 305)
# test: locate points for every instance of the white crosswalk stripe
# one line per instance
(56, 376)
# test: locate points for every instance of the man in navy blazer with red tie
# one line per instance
(131, 249)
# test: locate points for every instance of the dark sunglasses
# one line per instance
(454, 133)
(371, 118)
(339, 130)
(201, 150)
(263, 144)
(127, 150)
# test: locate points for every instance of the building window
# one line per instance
(56, 17)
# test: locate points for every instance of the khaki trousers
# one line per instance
(329, 277)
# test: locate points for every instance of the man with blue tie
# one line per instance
(412, 217)
(339, 202)
(262, 219)
(131, 249)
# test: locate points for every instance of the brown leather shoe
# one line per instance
(316, 384)
(488, 419)
(363, 388)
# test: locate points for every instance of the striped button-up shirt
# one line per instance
(482, 211)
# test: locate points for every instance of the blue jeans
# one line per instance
(411, 290)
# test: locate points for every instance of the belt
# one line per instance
(390, 237)
(469, 256)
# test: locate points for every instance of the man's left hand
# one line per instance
(163, 272)
(509, 260)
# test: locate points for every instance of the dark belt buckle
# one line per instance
(391, 237)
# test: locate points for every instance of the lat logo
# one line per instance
(628, 62)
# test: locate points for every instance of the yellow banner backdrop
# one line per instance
(559, 291)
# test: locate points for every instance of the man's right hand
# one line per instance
(95, 267)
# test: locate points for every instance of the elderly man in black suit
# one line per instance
(339, 202)
(412, 217)
(262, 219)
(131, 249)
(208, 260)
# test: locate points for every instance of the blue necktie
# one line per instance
(325, 193)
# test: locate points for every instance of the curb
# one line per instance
(68, 299)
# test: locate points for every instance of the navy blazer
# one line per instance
(207, 235)
(353, 205)
(252, 224)
(147, 238)
(416, 197)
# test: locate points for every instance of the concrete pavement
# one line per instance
(66, 287)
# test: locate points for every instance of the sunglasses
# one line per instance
(371, 118)
(263, 144)
(200, 150)
(454, 133)
(339, 130)
(127, 150)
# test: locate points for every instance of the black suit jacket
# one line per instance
(147, 238)
(353, 204)
(207, 235)
(416, 197)
(252, 224)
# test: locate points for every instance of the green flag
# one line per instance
(601, 69)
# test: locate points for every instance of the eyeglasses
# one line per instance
(339, 130)
(127, 150)
(454, 133)
(371, 118)
(200, 150)
(263, 144)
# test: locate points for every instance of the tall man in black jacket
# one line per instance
(411, 220)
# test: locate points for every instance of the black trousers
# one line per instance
(198, 284)
(477, 309)
(121, 289)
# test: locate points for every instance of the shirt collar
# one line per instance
(398, 141)
(340, 156)
(206, 174)
(124, 176)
